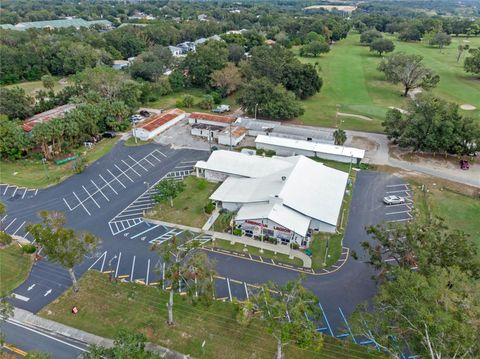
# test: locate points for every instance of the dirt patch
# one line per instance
(363, 143)
(399, 109)
(414, 92)
(467, 107)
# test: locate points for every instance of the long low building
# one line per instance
(283, 197)
(157, 124)
(57, 112)
(290, 147)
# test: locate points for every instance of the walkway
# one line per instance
(276, 248)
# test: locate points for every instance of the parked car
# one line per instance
(135, 118)
(221, 109)
(109, 134)
(144, 113)
(393, 200)
(464, 165)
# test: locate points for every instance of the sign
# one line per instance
(281, 229)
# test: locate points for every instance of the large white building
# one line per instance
(282, 197)
(157, 124)
(290, 147)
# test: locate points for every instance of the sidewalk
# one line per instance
(276, 248)
(35, 321)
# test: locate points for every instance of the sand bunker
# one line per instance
(467, 107)
(399, 109)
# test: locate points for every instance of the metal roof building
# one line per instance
(290, 195)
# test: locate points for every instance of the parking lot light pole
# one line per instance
(135, 132)
(44, 162)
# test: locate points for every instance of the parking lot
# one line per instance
(12, 193)
(399, 212)
(99, 191)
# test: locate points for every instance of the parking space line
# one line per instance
(246, 290)
(116, 178)
(9, 224)
(19, 228)
(89, 195)
(397, 185)
(229, 290)
(148, 272)
(137, 163)
(6, 189)
(133, 268)
(145, 231)
(67, 204)
(390, 213)
(81, 203)
(103, 255)
(118, 168)
(103, 262)
(15, 192)
(151, 154)
(118, 263)
(400, 220)
(399, 191)
(164, 155)
(131, 168)
(99, 190)
(24, 192)
(108, 184)
(1, 220)
(151, 164)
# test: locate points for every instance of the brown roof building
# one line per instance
(210, 119)
(158, 123)
(57, 112)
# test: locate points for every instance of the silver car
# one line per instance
(393, 200)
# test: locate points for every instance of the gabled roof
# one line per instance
(161, 119)
(211, 117)
(57, 112)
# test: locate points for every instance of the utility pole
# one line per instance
(44, 162)
(261, 236)
(256, 106)
(350, 167)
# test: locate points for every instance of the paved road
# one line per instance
(30, 339)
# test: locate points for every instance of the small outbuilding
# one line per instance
(232, 136)
(157, 124)
(210, 119)
(291, 147)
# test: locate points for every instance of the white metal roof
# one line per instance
(241, 164)
(311, 146)
(277, 213)
(304, 185)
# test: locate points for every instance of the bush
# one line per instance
(79, 165)
(295, 246)
(29, 248)
(5, 238)
(266, 153)
(237, 232)
(272, 240)
(210, 206)
(202, 183)
(207, 102)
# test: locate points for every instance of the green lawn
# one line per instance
(31, 87)
(170, 101)
(31, 173)
(105, 308)
(459, 211)
(132, 143)
(188, 207)
(352, 82)
(241, 248)
(14, 268)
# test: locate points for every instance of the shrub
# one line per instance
(237, 232)
(295, 246)
(79, 165)
(5, 238)
(187, 101)
(29, 248)
(209, 207)
(202, 183)
(207, 102)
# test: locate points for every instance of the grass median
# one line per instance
(188, 206)
(33, 174)
(105, 308)
(14, 268)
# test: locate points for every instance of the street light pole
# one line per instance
(135, 131)
(256, 106)
(44, 162)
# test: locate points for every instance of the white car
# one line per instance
(393, 200)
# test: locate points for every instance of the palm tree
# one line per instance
(340, 137)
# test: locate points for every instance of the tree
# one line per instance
(15, 103)
(369, 36)
(188, 101)
(382, 46)
(207, 102)
(48, 82)
(187, 268)
(339, 137)
(236, 53)
(313, 36)
(314, 49)
(426, 311)
(125, 345)
(433, 125)
(263, 98)
(13, 139)
(472, 63)
(168, 189)
(408, 70)
(151, 65)
(177, 80)
(289, 312)
(204, 61)
(301, 79)
(441, 40)
(62, 245)
(226, 80)
(410, 33)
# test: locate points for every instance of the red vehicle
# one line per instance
(464, 165)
